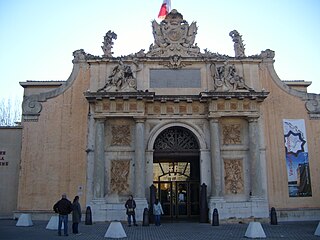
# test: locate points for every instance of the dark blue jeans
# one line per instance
(157, 220)
(64, 219)
(133, 218)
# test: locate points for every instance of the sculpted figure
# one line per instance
(108, 43)
(238, 43)
(122, 78)
(226, 79)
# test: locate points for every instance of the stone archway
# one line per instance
(176, 172)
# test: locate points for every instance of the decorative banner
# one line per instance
(297, 160)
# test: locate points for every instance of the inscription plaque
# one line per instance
(177, 78)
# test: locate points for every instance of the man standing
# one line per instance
(63, 207)
(130, 206)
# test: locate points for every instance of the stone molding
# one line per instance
(31, 105)
(312, 100)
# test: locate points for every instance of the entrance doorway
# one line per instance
(176, 173)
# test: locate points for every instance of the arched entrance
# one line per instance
(176, 172)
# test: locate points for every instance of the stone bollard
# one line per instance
(88, 216)
(215, 217)
(273, 217)
(145, 217)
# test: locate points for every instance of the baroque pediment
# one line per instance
(174, 36)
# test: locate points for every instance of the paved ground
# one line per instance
(167, 231)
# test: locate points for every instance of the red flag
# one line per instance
(165, 9)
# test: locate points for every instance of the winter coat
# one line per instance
(130, 206)
(76, 212)
(63, 207)
(157, 209)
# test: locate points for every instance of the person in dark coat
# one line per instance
(76, 215)
(63, 207)
(130, 206)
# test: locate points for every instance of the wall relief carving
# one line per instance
(231, 133)
(122, 78)
(121, 135)
(119, 176)
(233, 179)
(226, 79)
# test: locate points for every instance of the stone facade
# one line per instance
(98, 129)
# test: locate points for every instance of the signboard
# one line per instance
(297, 158)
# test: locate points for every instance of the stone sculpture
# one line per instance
(174, 36)
(108, 43)
(238, 44)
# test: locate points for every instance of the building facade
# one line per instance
(179, 120)
(10, 152)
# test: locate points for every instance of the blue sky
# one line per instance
(37, 37)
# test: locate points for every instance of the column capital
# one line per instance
(253, 119)
(139, 119)
(214, 119)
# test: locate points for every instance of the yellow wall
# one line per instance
(277, 106)
(53, 152)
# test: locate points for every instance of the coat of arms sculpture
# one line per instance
(174, 36)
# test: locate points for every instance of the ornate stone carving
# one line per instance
(226, 79)
(233, 178)
(208, 54)
(267, 54)
(231, 134)
(108, 43)
(175, 62)
(238, 44)
(119, 176)
(174, 36)
(121, 135)
(79, 56)
(31, 108)
(313, 106)
(122, 78)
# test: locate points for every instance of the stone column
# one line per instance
(99, 160)
(254, 153)
(139, 161)
(216, 179)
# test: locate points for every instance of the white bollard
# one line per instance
(115, 230)
(255, 230)
(24, 220)
(53, 223)
(317, 232)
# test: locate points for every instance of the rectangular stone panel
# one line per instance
(233, 179)
(177, 78)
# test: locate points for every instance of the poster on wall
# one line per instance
(297, 161)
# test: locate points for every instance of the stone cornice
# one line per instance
(150, 96)
(31, 105)
(312, 100)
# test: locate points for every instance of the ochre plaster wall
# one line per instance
(277, 106)
(53, 153)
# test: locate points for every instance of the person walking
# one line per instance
(157, 211)
(76, 215)
(130, 206)
(63, 207)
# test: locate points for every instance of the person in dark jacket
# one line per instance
(130, 206)
(76, 215)
(63, 207)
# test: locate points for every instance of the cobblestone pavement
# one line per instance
(167, 231)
